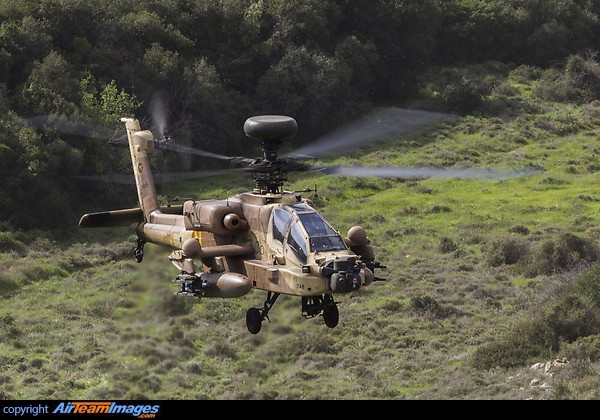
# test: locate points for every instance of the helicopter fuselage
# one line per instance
(278, 241)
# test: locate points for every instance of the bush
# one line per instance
(524, 74)
(506, 250)
(578, 82)
(583, 72)
(553, 86)
(520, 229)
(447, 245)
(7, 284)
(462, 95)
(570, 319)
(584, 348)
(588, 284)
(9, 244)
(423, 305)
(556, 255)
(525, 341)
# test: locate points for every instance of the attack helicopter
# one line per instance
(269, 238)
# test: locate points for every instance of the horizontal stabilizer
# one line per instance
(111, 218)
(120, 218)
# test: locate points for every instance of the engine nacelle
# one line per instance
(219, 217)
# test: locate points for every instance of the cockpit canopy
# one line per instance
(303, 230)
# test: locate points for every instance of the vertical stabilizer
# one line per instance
(141, 143)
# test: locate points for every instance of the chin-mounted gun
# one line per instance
(372, 265)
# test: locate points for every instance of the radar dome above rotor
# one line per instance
(270, 127)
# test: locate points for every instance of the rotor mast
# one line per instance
(270, 173)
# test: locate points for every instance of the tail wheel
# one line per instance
(253, 320)
(331, 315)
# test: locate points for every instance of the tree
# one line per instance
(404, 33)
(312, 87)
(52, 87)
(303, 23)
(160, 68)
(109, 105)
(210, 113)
(540, 32)
(362, 60)
(22, 42)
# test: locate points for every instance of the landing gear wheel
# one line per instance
(253, 320)
(331, 315)
(139, 250)
(255, 316)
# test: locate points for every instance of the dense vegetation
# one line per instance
(485, 277)
(321, 61)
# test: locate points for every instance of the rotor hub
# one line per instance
(268, 128)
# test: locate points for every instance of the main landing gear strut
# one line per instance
(255, 316)
(311, 307)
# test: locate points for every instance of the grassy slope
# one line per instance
(85, 321)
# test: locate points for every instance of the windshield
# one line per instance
(322, 236)
(281, 221)
(297, 242)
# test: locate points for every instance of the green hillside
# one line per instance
(485, 277)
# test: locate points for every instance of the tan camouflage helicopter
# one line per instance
(268, 238)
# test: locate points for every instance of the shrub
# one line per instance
(7, 284)
(552, 86)
(171, 305)
(570, 319)
(562, 253)
(583, 72)
(578, 82)
(9, 244)
(520, 229)
(524, 74)
(447, 245)
(426, 305)
(462, 95)
(9, 327)
(584, 348)
(527, 340)
(506, 250)
(588, 284)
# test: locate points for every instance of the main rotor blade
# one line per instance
(166, 177)
(399, 172)
(159, 177)
(378, 125)
(66, 126)
(191, 150)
